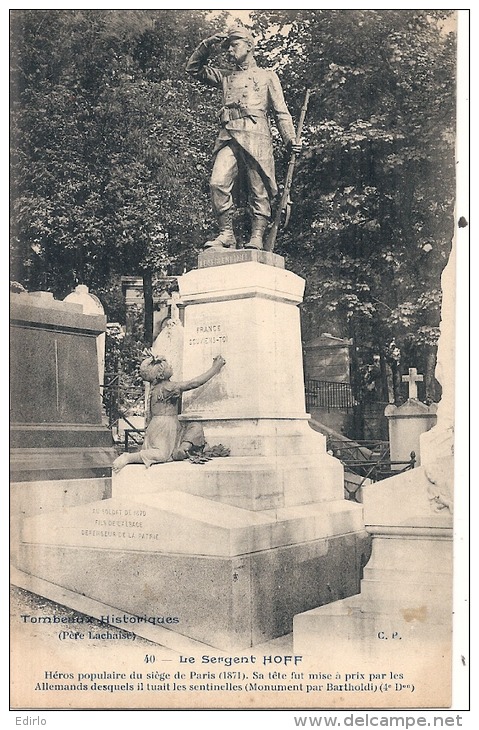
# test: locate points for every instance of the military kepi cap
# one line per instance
(238, 32)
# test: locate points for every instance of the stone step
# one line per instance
(423, 553)
(364, 629)
(253, 483)
(407, 576)
(176, 522)
(417, 600)
(213, 599)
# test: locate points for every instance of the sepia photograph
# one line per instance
(234, 380)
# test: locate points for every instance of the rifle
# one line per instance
(285, 204)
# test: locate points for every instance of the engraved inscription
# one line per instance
(207, 340)
(119, 523)
(230, 258)
(204, 338)
(208, 328)
(224, 257)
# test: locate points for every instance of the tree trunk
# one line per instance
(397, 385)
(148, 297)
(432, 387)
(386, 395)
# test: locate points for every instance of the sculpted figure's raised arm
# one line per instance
(244, 145)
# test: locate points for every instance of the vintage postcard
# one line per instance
(236, 243)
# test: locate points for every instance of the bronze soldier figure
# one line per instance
(244, 141)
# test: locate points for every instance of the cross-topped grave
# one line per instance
(407, 422)
(412, 379)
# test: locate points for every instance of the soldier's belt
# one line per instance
(230, 114)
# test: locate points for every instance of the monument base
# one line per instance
(231, 603)
(225, 552)
(29, 498)
(254, 483)
(45, 464)
(220, 547)
(402, 618)
(225, 257)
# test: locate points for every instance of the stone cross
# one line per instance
(412, 379)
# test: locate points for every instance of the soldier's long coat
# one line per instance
(249, 93)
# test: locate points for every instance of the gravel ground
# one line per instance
(24, 603)
(40, 658)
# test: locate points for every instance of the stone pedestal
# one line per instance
(235, 547)
(406, 424)
(56, 419)
(231, 578)
(401, 623)
(61, 453)
(404, 612)
(91, 305)
(248, 313)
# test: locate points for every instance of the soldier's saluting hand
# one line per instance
(244, 141)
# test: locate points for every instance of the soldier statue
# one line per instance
(244, 144)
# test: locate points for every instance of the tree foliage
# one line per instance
(112, 145)
(106, 179)
(374, 191)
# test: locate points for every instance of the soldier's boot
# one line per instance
(258, 226)
(226, 237)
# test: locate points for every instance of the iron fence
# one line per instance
(118, 401)
(328, 394)
(134, 437)
(367, 461)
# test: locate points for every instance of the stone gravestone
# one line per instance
(91, 305)
(403, 616)
(60, 451)
(407, 422)
(328, 358)
(327, 361)
(237, 546)
(132, 287)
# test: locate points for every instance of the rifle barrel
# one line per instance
(273, 231)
